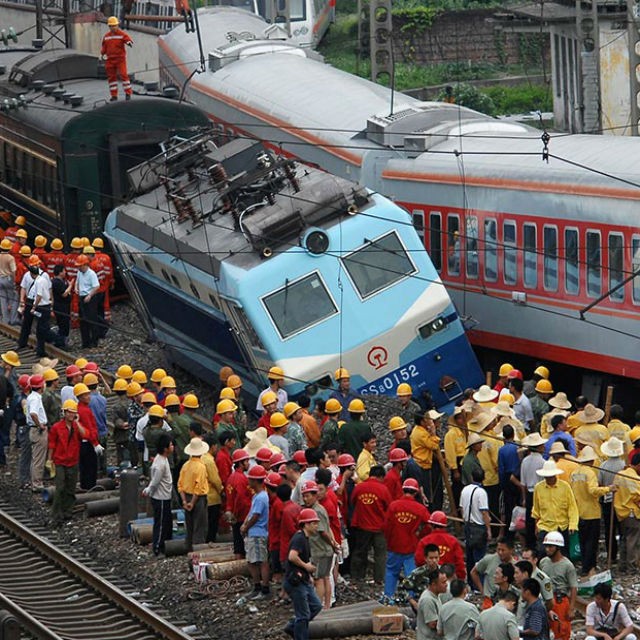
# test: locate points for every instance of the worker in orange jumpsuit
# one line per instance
(20, 241)
(72, 270)
(40, 250)
(113, 51)
(55, 256)
(107, 283)
(10, 232)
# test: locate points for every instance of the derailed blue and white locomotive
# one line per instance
(236, 256)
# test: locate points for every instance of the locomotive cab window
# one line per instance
(453, 244)
(435, 239)
(299, 305)
(378, 265)
(571, 267)
(530, 256)
(616, 255)
(594, 264)
(510, 253)
(490, 250)
(550, 260)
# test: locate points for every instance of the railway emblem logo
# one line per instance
(378, 357)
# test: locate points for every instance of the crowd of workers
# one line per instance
(309, 500)
(45, 283)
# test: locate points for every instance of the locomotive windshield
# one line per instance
(290, 309)
(378, 264)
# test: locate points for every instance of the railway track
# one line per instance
(55, 597)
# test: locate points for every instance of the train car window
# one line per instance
(176, 282)
(550, 260)
(616, 256)
(165, 275)
(453, 244)
(247, 328)
(530, 255)
(148, 266)
(131, 257)
(194, 290)
(378, 265)
(635, 252)
(417, 215)
(299, 305)
(510, 253)
(472, 247)
(490, 249)
(297, 9)
(28, 174)
(594, 264)
(435, 239)
(19, 157)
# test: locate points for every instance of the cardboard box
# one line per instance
(585, 587)
(200, 572)
(386, 620)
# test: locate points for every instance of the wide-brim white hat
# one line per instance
(196, 447)
(613, 447)
(590, 414)
(549, 469)
(533, 440)
(560, 401)
(485, 394)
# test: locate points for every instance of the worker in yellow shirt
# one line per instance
(587, 492)
(488, 458)
(563, 459)
(193, 488)
(424, 442)
(455, 449)
(214, 495)
(554, 505)
(574, 421)
(583, 440)
(366, 459)
(626, 502)
(617, 428)
(591, 429)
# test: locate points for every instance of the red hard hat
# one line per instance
(308, 515)
(398, 455)
(36, 382)
(310, 486)
(273, 480)
(239, 455)
(257, 473)
(277, 458)
(514, 373)
(438, 518)
(282, 471)
(91, 367)
(23, 381)
(264, 455)
(72, 370)
(300, 458)
(346, 460)
(411, 484)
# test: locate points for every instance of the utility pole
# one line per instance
(53, 23)
(588, 31)
(633, 31)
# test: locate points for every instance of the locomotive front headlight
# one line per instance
(304, 31)
(437, 325)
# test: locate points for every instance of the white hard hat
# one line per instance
(555, 538)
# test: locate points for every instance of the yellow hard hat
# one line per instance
(224, 374)
(90, 378)
(158, 374)
(40, 241)
(6, 245)
(81, 363)
(50, 375)
(148, 397)
(70, 405)
(227, 394)
(76, 243)
(21, 221)
(505, 369)
(12, 358)
(224, 406)
(25, 250)
(356, 406)
(89, 250)
(634, 435)
(341, 373)
(120, 385)
(541, 371)
(80, 389)
(156, 411)
(190, 401)
(56, 244)
(332, 406)
(113, 21)
(544, 386)
(234, 381)
(275, 373)
(172, 400)
(290, 408)
(277, 420)
(133, 389)
(404, 389)
(85, 241)
(139, 376)
(396, 423)
(268, 397)
(507, 397)
(98, 243)
(167, 383)
(21, 233)
(124, 371)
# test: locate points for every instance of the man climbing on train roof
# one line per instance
(114, 53)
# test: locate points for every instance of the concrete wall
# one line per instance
(614, 76)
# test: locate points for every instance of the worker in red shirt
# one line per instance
(405, 519)
(273, 481)
(65, 437)
(289, 520)
(114, 52)
(90, 447)
(393, 480)
(224, 463)
(238, 499)
(371, 499)
(450, 549)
